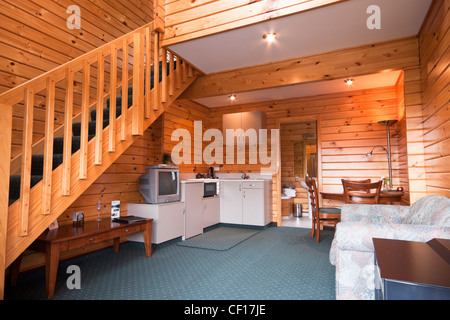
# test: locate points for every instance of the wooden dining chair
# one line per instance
(321, 216)
(361, 181)
(361, 192)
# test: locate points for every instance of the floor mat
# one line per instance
(220, 239)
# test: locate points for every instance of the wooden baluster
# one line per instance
(178, 74)
(156, 73)
(99, 114)
(137, 122)
(5, 151)
(172, 75)
(164, 77)
(123, 131)
(190, 71)
(67, 148)
(27, 141)
(184, 72)
(48, 147)
(84, 136)
(148, 71)
(112, 101)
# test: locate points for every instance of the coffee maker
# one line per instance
(211, 174)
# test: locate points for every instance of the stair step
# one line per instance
(76, 127)
(14, 186)
(106, 110)
(37, 163)
(58, 144)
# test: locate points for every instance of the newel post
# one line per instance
(5, 162)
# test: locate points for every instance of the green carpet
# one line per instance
(274, 264)
(221, 238)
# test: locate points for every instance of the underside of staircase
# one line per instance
(144, 81)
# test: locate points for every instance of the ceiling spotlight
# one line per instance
(270, 37)
(348, 82)
(232, 97)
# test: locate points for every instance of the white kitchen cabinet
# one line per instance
(246, 202)
(243, 120)
(192, 195)
(211, 211)
(231, 202)
(168, 220)
(253, 207)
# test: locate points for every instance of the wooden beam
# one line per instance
(190, 20)
(84, 132)
(123, 132)
(67, 152)
(138, 85)
(363, 60)
(5, 151)
(171, 89)
(148, 71)
(48, 147)
(112, 101)
(156, 86)
(26, 162)
(99, 114)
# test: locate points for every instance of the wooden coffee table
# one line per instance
(413, 270)
(69, 237)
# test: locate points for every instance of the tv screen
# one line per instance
(168, 183)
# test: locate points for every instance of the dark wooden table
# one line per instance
(69, 237)
(385, 196)
(411, 270)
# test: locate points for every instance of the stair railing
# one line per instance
(68, 93)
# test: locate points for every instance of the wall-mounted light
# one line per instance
(270, 37)
(386, 123)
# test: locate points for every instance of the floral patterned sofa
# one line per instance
(352, 248)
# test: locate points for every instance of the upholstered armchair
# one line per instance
(352, 249)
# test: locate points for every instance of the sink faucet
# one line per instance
(245, 176)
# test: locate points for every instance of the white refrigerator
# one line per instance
(192, 195)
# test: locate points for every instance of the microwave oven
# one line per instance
(209, 189)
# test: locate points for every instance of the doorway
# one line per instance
(299, 159)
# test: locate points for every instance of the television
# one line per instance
(160, 184)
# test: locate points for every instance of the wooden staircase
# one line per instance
(135, 61)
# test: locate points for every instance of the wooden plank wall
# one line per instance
(434, 43)
(349, 130)
(34, 38)
(181, 115)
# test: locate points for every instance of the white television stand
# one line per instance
(168, 220)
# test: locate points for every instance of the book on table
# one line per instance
(128, 219)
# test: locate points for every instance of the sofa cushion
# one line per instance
(431, 210)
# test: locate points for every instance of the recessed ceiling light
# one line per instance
(232, 97)
(348, 82)
(270, 37)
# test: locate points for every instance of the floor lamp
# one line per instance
(386, 123)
